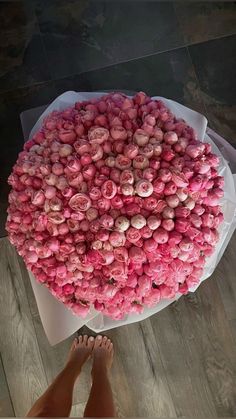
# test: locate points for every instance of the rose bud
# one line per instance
(98, 135)
(131, 150)
(138, 221)
(170, 137)
(153, 222)
(144, 188)
(140, 162)
(161, 236)
(117, 239)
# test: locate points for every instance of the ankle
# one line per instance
(70, 371)
(99, 371)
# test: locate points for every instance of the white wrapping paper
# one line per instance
(58, 321)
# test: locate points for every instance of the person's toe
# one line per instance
(85, 340)
(90, 342)
(97, 341)
(79, 340)
(73, 346)
(111, 349)
(104, 341)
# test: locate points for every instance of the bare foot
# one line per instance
(102, 354)
(80, 351)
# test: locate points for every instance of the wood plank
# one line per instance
(225, 276)
(6, 408)
(163, 396)
(139, 389)
(123, 371)
(189, 347)
(77, 410)
(28, 287)
(19, 349)
(54, 358)
(232, 324)
(215, 345)
(188, 388)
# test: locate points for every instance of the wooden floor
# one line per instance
(180, 362)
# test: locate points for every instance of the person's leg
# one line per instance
(100, 403)
(57, 400)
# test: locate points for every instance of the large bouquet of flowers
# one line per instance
(115, 204)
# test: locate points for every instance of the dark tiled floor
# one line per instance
(181, 50)
(22, 56)
(202, 21)
(169, 74)
(11, 105)
(214, 63)
(101, 33)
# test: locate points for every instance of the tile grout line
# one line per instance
(80, 73)
(181, 46)
(189, 56)
(178, 21)
(26, 86)
(198, 42)
(211, 40)
(43, 45)
(120, 62)
(197, 79)
(52, 80)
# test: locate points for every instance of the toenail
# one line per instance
(99, 337)
(91, 338)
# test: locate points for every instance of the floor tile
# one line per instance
(11, 105)
(214, 63)
(3, 213)
(168, 74)
(84, 35)
(22, 57)
(202, 21)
